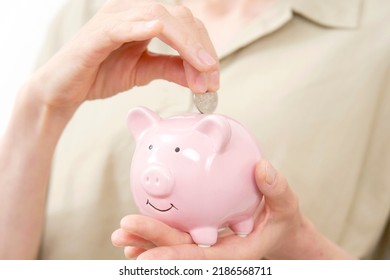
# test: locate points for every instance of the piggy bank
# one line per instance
(194, 172)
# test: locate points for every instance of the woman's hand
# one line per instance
(280, 231)
(109, 54)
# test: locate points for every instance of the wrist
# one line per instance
(306, 242)
(35, 120)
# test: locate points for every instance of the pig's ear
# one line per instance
(141, 119)
(217, 128)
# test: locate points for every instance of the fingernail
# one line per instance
(206, 58)
(201, 83)
(270, 174)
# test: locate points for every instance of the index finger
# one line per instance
(155, 231)
(183, 32)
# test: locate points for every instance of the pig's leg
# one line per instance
(205, 236)
(243, 227)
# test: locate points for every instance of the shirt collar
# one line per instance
(330, 13)
(327, 13)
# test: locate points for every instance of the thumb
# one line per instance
(275, 188)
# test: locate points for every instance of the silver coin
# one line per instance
(206, 103)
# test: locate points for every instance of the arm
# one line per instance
(281, 232)
(26, 151)
(108, 55)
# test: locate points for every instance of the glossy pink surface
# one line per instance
(194, 172)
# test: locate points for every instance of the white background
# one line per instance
(280, 270)
(23, 27)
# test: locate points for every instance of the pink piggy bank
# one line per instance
(194, 172)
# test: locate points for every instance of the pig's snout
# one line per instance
(157, 181)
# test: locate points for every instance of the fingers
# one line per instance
(275, 188)
(188, 36)
(228, 247)
(139, 234)
(178, 252)
(175, 25)
(197, 81)
(156, 66)
(127, 31)
(122, 238)
(133, 252)
(104, 34)
(196, 35)
(154, 231)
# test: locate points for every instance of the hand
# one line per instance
(279, 229)
(109, 54)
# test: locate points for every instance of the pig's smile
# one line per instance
(161, 210)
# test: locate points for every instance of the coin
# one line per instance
(206, 103)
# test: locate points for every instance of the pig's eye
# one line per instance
(177, 149)
(150, 147)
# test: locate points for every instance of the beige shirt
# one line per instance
(309, 78)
